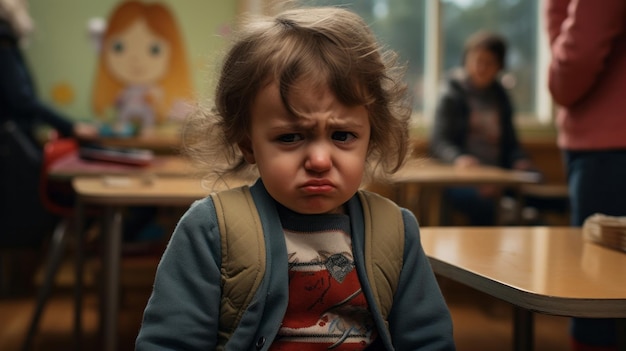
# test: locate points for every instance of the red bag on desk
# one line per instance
(128, 156)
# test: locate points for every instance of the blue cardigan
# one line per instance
(183, 310)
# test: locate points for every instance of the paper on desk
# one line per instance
(609, 231)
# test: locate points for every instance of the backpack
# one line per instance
(243, 252)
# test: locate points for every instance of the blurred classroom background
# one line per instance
(62, 54)
(428, 35)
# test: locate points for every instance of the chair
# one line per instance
(24, 220)
(548, 204)
(57, 198)
(20, 162)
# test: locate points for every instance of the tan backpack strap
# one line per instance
(384, 246)
(243, 255)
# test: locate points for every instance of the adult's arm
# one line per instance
(581, 33)
(183, 310)
(556, 12)
(19, 97)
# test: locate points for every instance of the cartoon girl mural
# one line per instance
(142, 71)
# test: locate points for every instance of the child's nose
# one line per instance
(318, 158)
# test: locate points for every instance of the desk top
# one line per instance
(545, 269)
(163, 165)
(426, 171)
(164, 139)
(136, 190)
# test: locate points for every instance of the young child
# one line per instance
(311, 101)
(474, 124)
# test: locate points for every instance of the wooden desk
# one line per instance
(431, 177)
(164, 139)
(165, 181)
(544, 269)
(113, 194)
(163, 165)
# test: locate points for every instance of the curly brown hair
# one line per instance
(329, 47)
(489, 41)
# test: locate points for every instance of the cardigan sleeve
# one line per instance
(581, 34)
(183, 310)
(419, 318)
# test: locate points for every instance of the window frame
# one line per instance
(543, 115)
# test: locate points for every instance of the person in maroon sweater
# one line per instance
(587, 79)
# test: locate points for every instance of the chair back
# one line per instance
(23, 218)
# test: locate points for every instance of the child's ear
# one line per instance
(246, 149)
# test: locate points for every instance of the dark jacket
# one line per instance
(451, 125)
(18, 98)
(22, 214)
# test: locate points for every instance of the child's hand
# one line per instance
(85, 131)
(466, 161)
(522, 165)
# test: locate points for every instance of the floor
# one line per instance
(480, 321)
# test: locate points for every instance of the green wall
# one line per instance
(60, 51)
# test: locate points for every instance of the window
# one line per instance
(429, 36)
(400, 26)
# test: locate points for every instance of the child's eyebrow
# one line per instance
(306, 123)
(345, 126)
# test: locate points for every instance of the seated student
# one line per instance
(474, 125)
(309, 99)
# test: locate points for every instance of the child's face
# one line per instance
(313, 163)
(482, 67)
(137, 56)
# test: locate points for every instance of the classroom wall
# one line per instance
(62, 57)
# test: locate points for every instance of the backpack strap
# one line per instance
(243, 255)
(243, 252)
(384, 246)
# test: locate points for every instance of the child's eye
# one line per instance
(343, 136)
(117, 46)
(155, 49)
(290, 138)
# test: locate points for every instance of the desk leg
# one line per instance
(399, 191)
(79, 264)
(519, 205)
(523, 329)
(110, 294)
(408, 195)
(621, 334)
(433, 204)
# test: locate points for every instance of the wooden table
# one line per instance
(165, 181)
(72, 166)
(114, 193)
(164, 139)
(549, 270)
(432, 177)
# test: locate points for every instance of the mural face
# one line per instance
(137, 55)
(143, 76)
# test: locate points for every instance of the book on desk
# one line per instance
(127, 156)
